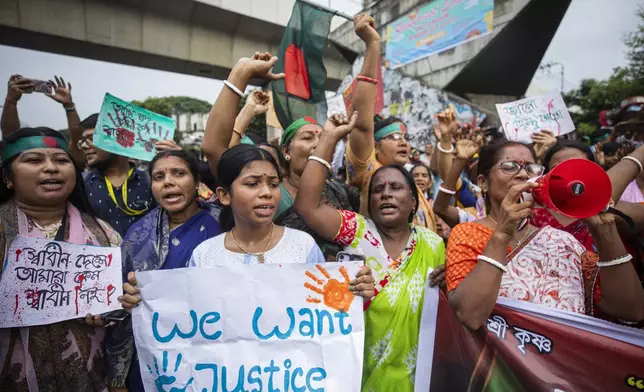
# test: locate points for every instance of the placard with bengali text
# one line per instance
(44, 282)
(126, 129)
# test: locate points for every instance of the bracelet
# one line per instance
(493, 262)
(70, 109)
(234, 88)
(445, 190)
(614, 262)
(441, 149)
(637, 162)
(367, 79)
(241, 135)
(10, 101)
(320, 160)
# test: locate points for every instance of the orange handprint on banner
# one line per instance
(335, 294)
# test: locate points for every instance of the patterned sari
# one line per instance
(392, 320)
(61, 357)
(549, 267)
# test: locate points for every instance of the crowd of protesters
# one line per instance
(354, 184)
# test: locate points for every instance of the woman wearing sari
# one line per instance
(298, 142)
(399, 253)
(490, 258)
(48, 202)
(163, 239)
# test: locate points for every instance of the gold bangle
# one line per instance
(241, 135)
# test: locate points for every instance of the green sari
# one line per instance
(392, 320)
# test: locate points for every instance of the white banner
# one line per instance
(44, 282)
(520, 119)
(288, 327)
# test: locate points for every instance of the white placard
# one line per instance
(44, 282)
(520, 119)
(292, 327)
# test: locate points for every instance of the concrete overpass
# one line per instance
(203, 38)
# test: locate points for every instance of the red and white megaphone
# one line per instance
(577, 188)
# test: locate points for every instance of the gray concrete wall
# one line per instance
(203, 37)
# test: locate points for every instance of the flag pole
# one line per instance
(328, 9)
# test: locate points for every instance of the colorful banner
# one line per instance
(527, 347)
(44, 282)
(522, 118)
(287, 327)
(435, 27)
(126, 129)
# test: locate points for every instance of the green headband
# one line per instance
(247, 140)
(29, 143)
(295, 126)
(389, 129)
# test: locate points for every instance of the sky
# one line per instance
(588, 44)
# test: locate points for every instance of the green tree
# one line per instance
(258, 125)
(168, 106)
(592, 96)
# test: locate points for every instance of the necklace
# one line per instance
(519, 242)
(260, 256)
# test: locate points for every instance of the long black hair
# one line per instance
(78, 196)
(562, 145)
(280, 157)
(231, 164)
(410, 181)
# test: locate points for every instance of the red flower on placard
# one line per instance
(124, 137)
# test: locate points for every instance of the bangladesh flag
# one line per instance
(301, 93)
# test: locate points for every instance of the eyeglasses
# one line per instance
(512, 168)
(89, 140)
(397, 137)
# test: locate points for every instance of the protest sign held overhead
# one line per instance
(44, 282)
(520, 119)
(126, 129)
(290, 326)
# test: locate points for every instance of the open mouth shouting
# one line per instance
(172, 198)
(264, 210)
(52, 184)
(388, 209)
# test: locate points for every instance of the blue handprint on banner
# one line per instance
(163, 379)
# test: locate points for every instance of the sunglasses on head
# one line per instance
(512, 168)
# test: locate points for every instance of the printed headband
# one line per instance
(295, 126)
(29, 143)
(396, 127)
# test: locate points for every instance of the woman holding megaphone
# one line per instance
(491, 257)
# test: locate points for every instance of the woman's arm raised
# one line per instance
(364, 96)
(320, 217)
(256, 104)
(221, 119)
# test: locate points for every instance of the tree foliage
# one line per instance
(168, 106)
(592, 96)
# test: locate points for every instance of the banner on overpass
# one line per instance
(435, 27)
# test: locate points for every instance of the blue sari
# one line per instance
(150, 245)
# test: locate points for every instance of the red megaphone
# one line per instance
(576, 188)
